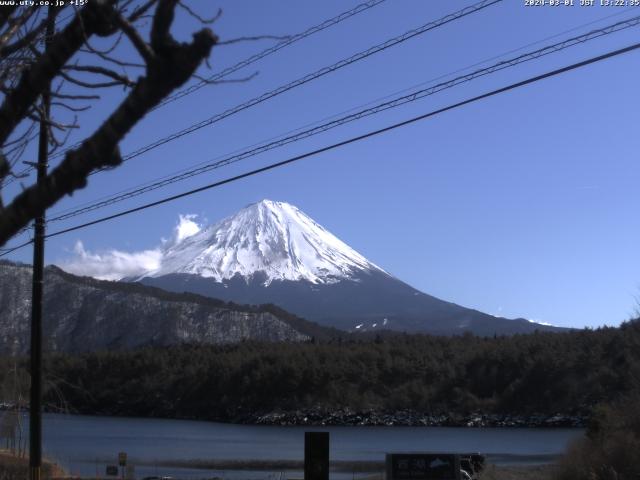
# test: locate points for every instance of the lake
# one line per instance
(86, 444)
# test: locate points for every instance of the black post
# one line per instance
(316, 455)
(35, 404)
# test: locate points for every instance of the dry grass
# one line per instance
(611, 449)
(492, 472)
(614, 457)
(14, 468)
(354, 466)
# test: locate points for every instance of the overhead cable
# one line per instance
(314, 75)
(268, 51)
(381, 107)
(362, 7)
(351, 140)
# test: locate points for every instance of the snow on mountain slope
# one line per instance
(274, 238)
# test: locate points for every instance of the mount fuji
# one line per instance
(271, 252)
(272, 240)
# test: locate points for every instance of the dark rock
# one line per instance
(346, 417)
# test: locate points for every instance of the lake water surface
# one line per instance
(86, 444)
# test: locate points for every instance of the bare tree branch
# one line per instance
(103, 53)
(18, 139)
(7, 50)
(114, 60)
(84, 84)
(205, 21)
(58, 102)
(141, 10)
(173, 64)
(162, 21)
(75, 97)
(39, 117)
(5, 169)
(69, 107)
(102, 71)
(5, 13)
(58, 143)
(15, 24)
(141, 46)
(63, 45)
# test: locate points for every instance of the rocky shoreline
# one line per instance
(409, 418)
(403, 418)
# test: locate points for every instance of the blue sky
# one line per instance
(522, 205)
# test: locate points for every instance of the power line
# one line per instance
(268, 51)
(7, 251)
(337, 115)
(358, 138)
(345, 142)
(303, 80)
(254, 58)
(381, 107)
(309, 77)
(509, 52)
(27, 170)
(313, 76)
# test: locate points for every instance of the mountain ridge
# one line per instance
(86, 314)
(274, 238)
(271, 252)
(371, 304)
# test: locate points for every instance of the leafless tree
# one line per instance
(14, 391)
(75, 70)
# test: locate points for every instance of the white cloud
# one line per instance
(115, 264)
(111, 264)
(186, 227)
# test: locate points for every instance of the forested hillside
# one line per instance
(84, 314)
(524, 374)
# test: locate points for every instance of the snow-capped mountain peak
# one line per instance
(274, 238)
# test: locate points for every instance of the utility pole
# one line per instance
(35, 404)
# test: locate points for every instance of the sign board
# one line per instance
(423, 466)
(316, 455)
(122, 459)
(112, 470)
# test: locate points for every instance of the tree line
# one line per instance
(523, 374)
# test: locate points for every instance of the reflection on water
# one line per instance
(86, 444)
